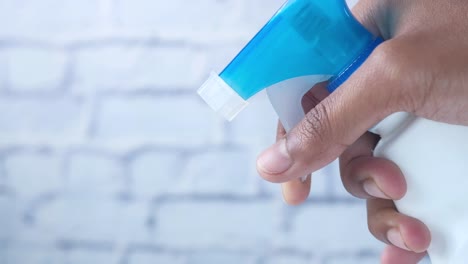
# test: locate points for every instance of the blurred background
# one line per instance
(107, 155)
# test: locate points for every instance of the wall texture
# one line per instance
(108, 156)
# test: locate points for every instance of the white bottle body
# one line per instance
(434, 159)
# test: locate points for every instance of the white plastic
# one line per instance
(221, 97)
(288, 102)
(434, 159)
(286, 98)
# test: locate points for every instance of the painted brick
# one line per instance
(91, 257)
(177, 121)
(25, 232)
(179, 18)
(352, 259)
(256, 13)
(34, 255)
(31, 174)
(137, 67)
(35, 69)
(332, 227)
(3, 177)
(288, 259)
(95, 174)
(142, 257)
(3, 70)
(219, 172)
(9, 222)
(221, 257)
(26, 19)
(218, 56)
(89, 219)
(210, 224)
(154, 173)
(45, 119)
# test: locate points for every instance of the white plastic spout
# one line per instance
(221, 97)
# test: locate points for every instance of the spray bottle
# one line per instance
(312, 41)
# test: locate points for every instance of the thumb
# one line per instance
(341, 118)
(335, 123)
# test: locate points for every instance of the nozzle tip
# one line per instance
(221, 97)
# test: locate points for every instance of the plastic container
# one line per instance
(434, 159)
(311, 41)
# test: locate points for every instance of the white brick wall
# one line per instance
(151, 258)
(139, 66)
(152, 174)
(162, 120)
(92, 173)
(47, 19)
(45, 119)
(45, 69)
(206, 224)
(108, 156)
(31, 174)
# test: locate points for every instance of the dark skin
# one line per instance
(422, 68)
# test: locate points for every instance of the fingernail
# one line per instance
(304, 178)
(373, 190)
(276, 159)
(394, 236)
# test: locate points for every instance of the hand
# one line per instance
(421, 69)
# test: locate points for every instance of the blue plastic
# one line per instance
(305, 37)
(339, 79)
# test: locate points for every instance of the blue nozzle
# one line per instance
(339, 79)
(310, 39)
(305, 37)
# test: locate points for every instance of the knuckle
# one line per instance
(319, 130)
(387, 68)
(374, 222)
(352, 189)
(396, 66)
(371, 226)
(348, 179)
(378, 219)
(386, 59)
(315, 126)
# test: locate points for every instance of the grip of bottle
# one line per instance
(288, 105)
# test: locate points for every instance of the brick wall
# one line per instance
(108, 156)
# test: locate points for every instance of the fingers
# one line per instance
(295, 191)
(396, 229)
(367, 13)
(329, 128)
(392, 255)
(368, 177)
(341, 118)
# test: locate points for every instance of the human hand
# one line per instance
(420, 69)
(379, 181)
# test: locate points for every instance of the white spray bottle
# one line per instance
(311, 41)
